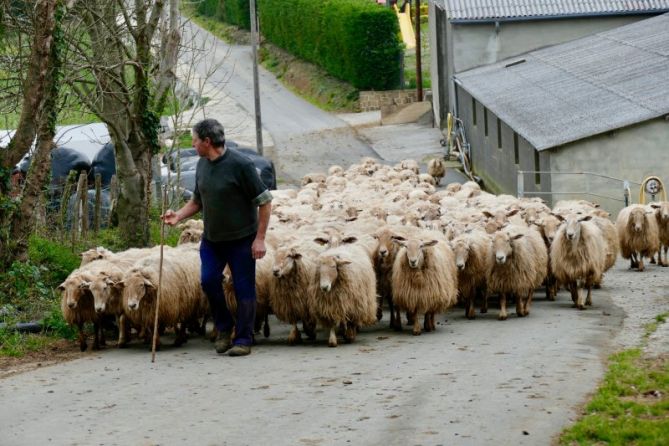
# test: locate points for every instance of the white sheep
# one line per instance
(424, 278)
(343, 291)
(662, 217)
(473, 259)
(638, 234)
(436, 167)
(519, 267)
(577, 257)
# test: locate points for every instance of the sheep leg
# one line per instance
(502, 307)
(332, 341)
(470, 312)
(580, 300)
(433, 326)
(641, 267)
(527, 304)
(181, 337)
(411, 318)
(294, 337)
(484, 302)
(82, 337)
(309, 328)
(350, 332)
(520, 309)
(664, 261)
(416, 325)
(573, 289)
(550, 288)
(634, 263)
(379, 307)
(396, 323)
(123, 331)
(588, 299)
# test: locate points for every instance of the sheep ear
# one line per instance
(398, 237)
(119, 285)
(400, 242)
(350, 239)
(342, 261)
(511, 213)
(488, 214)
(110, 282)
(516, 237)
(655, 206)
(321, 241)
(148, 284)
(430, 243)
(61, 287)
(586, 218)
(295, 255)
(84, 285)
(559, 217)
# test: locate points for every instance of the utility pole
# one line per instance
(419, 69)
(256, 88)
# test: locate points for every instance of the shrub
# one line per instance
(235, 12)
(354, 40)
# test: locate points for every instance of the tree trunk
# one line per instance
(37, 111)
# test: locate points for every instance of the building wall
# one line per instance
(437, 34)
(632, 153)
(472, 45)
(498, 154)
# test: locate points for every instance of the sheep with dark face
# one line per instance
(424, 278)
(577, 255)
(638, 234)
(343, 291)
(548, 226)
(384, 258)
(520, 263)
(436, 167)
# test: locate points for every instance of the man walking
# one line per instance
(236, 208)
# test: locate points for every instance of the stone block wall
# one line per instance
(379, 100)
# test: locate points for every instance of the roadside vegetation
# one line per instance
(631, 406)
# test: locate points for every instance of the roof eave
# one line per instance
(555, 17)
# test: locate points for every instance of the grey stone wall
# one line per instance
(378, 100)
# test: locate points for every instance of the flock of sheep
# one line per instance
(349, 240)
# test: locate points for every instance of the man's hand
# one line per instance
(258, 249)
(170, 217)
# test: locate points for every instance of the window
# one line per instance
(537, 168)
(499, 134)
(515, 148)
(485, 121)
(474, 111)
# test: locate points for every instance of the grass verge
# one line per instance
(631, 406)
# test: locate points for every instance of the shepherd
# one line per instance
(236, 208)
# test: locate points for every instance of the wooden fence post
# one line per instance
(113, 197)
(76, 211)
(83, 180)
(98, 204)
(64, 199)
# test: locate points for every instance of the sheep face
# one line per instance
(461, 250)
(102, 289)
(385, 246)
(637, 220)
(328, 271)
(573, 227)
(549, 226)
(415, 251)
(502, 246)
(136, 290)
(190, 235)
(74, 290)
(284, 261)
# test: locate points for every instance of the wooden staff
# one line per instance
(160, 275)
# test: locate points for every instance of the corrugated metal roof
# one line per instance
(581, 88)
(480, 10)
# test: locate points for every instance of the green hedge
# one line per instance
(354, 40)
(235, 12)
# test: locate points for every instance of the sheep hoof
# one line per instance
(332, 344)
(416, 332)
(379, 314)
(484, 310)
(123, 344)
(597, 286)
(580, 307)
(83, 346)
(502, 317)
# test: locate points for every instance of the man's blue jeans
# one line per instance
(236, 254)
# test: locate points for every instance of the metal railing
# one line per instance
(593, 185)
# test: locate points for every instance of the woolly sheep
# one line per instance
(519, 268)
(473, 259)
(577, 257)
(191, 231)
(343, 291)
(638, 234)
(662, 217)
(424, 278)
(436, 167)
(182, 300)
(77, 307)
(292, 271)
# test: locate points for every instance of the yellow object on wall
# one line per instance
(651, 186)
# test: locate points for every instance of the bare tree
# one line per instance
(113, 71)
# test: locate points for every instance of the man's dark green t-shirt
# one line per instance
(229, 191)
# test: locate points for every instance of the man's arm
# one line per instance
(172, 218)
(258, 248)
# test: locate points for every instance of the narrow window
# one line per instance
(474, 111)
(485, 121)
(537, 168)
(515, 148)
(499, 134)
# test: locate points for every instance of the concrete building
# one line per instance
(465, 34)
(598, 104)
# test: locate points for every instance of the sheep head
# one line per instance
(573, 227)
(661, 210)
(103, 288)
(461, 248)
(502, 246)
(637, 220)
(74, 289)
(137, 289)
(384, 237)
(414, 251)
(284, 261)
(328, 270)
